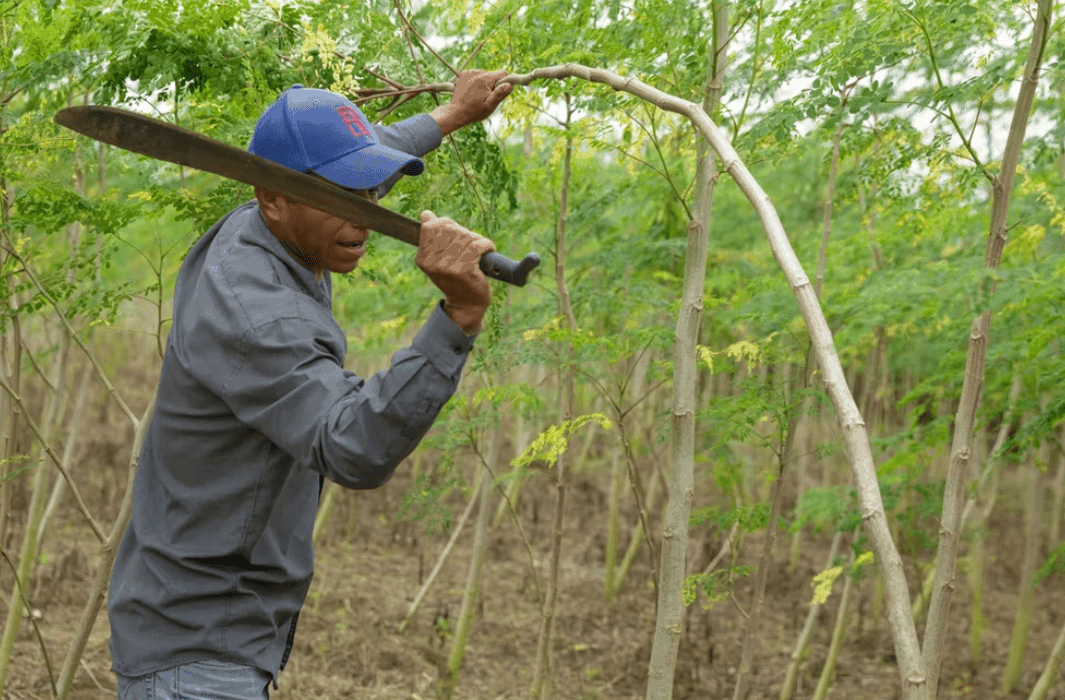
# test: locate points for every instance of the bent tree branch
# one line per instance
(904, 633)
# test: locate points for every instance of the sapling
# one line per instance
(670, 618)
(1051, 671)
(787, 691)
(38, 501)
(1026, 595)
(839, 632)
(934, 643)
(541, 684)
(98, 592)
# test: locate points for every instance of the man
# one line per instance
(254, 407)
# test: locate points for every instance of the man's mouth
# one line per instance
(355, 245)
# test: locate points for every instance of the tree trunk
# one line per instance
(1058, 491)
(972, 385)
(987, 494)
(670, 618)
(11, 419)
(325, 508)
(73, 433)
(617, 479)
(11, 367)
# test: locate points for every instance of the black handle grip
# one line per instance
(504, 269)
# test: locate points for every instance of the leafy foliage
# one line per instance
(717, 585)
(553, 441)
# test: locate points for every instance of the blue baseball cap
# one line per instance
(319, 131)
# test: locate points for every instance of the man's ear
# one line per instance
(275, 206)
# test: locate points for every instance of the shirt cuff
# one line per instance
(415, 136)
(421, 134)
(444, 344)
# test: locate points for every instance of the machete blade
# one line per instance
(163, 141)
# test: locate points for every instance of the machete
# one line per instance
(158, 139)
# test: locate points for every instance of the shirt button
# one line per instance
(457, 349)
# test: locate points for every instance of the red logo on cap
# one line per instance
(354, 123)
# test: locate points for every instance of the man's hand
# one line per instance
(448, 254)
(476, 96)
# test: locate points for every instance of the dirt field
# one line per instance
(347, 645)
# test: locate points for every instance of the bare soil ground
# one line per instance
(347, 645)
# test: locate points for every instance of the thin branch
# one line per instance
(976, 119)
(410, 45)
(634, 481)
(384, 78)
(939, 80)
(55, 458)
(424, 43)
(33, 621)
(653, 136)
(641, 161)
(517, 521)
(480, 45)
(363, 95)
(469, 179)
(739, 607)
(62, 317)
(396, 104)
(33, 361)
(737, 124)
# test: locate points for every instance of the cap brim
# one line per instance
(369, 167)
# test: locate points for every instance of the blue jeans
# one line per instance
(202, 680)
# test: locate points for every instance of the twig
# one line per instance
(62, 317)
(739, 607)
(424, 43)
(37, 367)
(517, 521)
(396, 104)
(737, 124)
(55, 458)
(33, 621)
(634, 480)
(384, 78)
(366, 94)
(469, 179)
(939, 80)
(410, 45)
(92, 676)
(477, 49)
(653, 134)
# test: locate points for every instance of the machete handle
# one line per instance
(504, 269)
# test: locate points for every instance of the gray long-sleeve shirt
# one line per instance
(254, 406)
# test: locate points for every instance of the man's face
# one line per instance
(319, 241)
